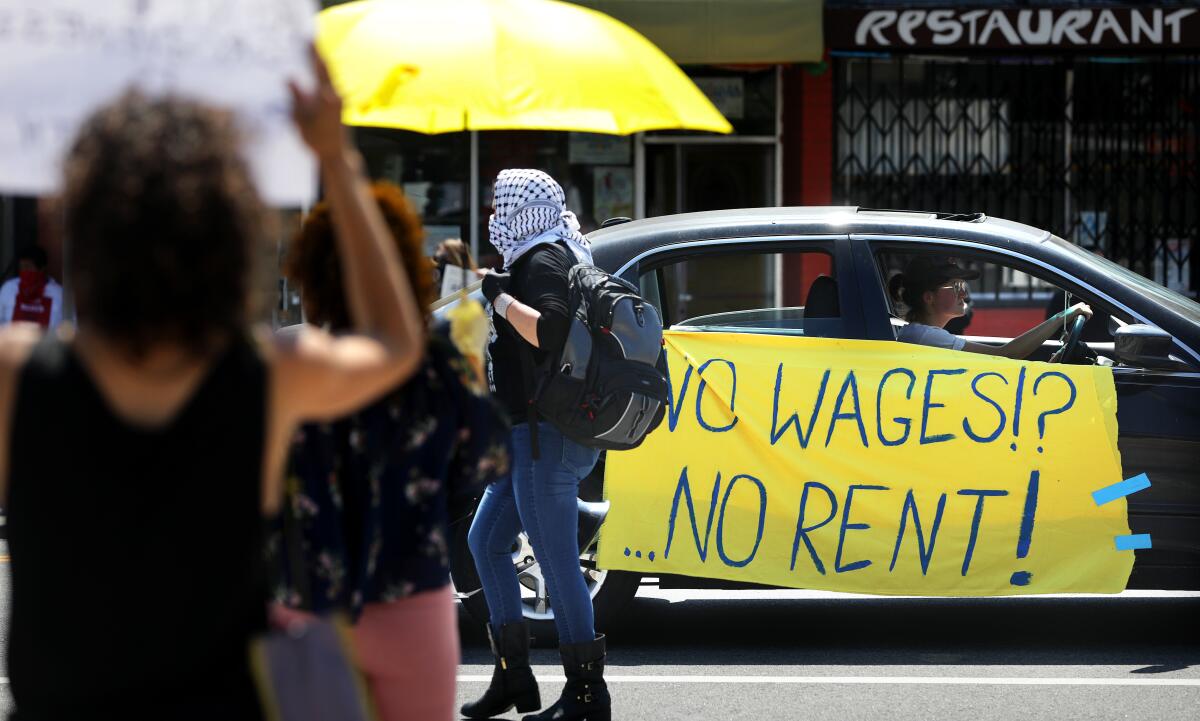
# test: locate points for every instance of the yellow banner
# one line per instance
(872, 467)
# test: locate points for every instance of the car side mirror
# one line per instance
(1115, 324)
(1144, 346)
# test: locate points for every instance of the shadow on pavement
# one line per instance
(1157, 633)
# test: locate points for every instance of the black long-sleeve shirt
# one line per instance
(539, 280)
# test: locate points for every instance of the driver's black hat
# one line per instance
(925, 271)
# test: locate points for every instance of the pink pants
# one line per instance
(408, 650)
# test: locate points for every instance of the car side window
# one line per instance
(788, 293)
(650, 287)
(1002, 300)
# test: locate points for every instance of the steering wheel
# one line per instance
(1071, 346)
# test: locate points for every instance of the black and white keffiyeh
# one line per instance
(529, 210)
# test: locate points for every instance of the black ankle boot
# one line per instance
(585, 696)
(512, 683)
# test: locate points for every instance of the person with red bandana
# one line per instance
(33, 296)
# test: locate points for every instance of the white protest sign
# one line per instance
(62, 59)
(454, 279)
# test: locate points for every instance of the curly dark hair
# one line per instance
(313, 261)
(162, 216)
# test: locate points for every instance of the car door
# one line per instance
(1158, 417)
(1158, 411)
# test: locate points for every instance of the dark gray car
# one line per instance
(712, 261)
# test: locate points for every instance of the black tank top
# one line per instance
(136, 554)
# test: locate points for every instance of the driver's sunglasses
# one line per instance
(958, 286)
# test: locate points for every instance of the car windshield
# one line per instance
(1179, 304)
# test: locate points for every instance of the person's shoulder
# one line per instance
(940, 338)
(922, 334)
(10, 285)
(551, 256)
(911, 332)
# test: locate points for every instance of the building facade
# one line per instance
(1078, 117)
(1082, 118)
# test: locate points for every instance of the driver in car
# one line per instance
(935, 291)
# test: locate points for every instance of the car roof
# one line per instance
(616, 244)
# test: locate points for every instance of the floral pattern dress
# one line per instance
(373, 495)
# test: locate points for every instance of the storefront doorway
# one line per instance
(686, 177)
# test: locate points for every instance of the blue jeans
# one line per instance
(539, 496)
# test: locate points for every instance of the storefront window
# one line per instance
(596, 172)
(433, 170)
(692, 171)
(276, 299)
(685, 178)
(746, 98)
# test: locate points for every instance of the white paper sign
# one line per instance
(454, 279)
(61, 59)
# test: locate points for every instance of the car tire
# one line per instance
(611, 590)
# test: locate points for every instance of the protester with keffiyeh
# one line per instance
(539, 240)
(530, 210)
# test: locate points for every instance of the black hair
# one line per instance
(910, 292)
(34, 254)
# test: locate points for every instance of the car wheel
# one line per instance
(610, 590)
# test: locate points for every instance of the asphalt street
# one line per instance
(800, 655)
(699, 655)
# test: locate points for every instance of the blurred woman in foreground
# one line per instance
(374, 494)
(139, 455)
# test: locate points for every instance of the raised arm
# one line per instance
(318, 375)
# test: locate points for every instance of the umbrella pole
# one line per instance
(474, 195)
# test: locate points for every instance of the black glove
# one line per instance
(495, 283)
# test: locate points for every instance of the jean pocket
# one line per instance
(578, 458)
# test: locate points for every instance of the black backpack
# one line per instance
(607, 387)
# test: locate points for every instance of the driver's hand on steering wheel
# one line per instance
(1079, 309)
(1070, 315)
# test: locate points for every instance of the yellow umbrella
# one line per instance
(452, 65)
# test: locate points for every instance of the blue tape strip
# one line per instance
(1119, 490)
(1133, 542)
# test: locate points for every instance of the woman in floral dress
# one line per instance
(374, 494)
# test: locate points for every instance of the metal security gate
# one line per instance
(1101, 153)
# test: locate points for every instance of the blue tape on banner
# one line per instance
(1133, 542)
(1119, 490)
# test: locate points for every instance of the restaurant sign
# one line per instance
(1002, 29)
